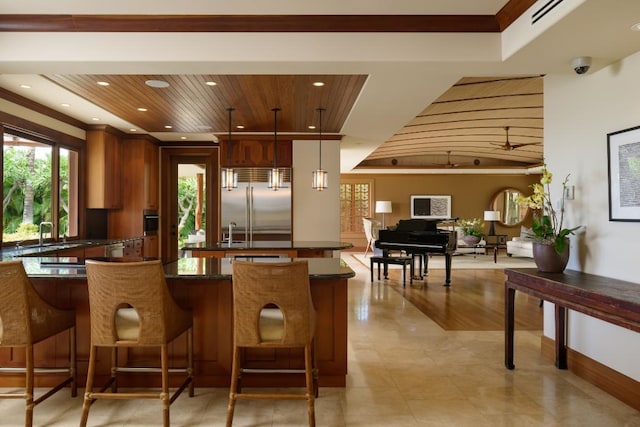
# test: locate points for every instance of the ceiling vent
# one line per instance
(542, 11)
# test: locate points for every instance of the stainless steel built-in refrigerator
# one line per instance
(259, 212)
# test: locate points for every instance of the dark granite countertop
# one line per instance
(183, 268)
(35, 250)
(224, 246)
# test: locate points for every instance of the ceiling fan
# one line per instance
(507, 146)
(450, 165)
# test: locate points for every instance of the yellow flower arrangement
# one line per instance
(547, 227)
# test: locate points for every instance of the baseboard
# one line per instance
(613, 382)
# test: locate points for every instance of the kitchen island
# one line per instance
(205, 286)
(295, 249)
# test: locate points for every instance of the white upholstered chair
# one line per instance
(371, 227)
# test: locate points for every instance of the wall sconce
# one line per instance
(383, 207)
(492, 217)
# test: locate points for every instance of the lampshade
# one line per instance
(320, 179)
(492, 215)
(383, 206)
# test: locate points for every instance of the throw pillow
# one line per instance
(526, 233)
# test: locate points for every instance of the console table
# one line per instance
(614, 301)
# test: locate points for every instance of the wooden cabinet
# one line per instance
(257, 153)
(139, 187)
(103, 170)
(94, 251)
(151, 247)
(150, 178)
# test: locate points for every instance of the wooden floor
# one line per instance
(473, 302)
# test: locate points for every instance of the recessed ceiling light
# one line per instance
(318, 84)
(25, 86)
(95, 119)
(210, 83)
(64, 104)
(312, 127)
(635, 27)
(157, 83)
(103, 83)
(133, 130)
(183, 137)
(240, 127)
(168, 127)
(142, 109)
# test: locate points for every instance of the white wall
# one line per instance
(316, 213)
(579, 112)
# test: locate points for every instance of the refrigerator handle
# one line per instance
(247, 213)
(251, 213)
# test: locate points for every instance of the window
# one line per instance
(355, 204)
(40, 185)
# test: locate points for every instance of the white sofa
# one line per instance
(521, 245)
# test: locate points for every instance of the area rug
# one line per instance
(479, 262)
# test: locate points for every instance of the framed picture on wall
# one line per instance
(623, 151)
(430, 206)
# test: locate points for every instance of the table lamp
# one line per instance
(492, 217)
(383, 207)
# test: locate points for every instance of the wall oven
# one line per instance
(150, 223)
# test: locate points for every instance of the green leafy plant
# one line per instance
(547, 222)
(472, 227)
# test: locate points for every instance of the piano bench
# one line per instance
(397, 260)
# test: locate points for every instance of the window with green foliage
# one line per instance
(355, 204)
(40, 185)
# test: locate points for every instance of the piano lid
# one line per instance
(417, 225)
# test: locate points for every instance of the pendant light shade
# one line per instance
(275, 174)
(320, 177)
(229, 176)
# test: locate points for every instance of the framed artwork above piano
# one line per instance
(430, 206)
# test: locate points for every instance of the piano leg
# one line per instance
(447, 261)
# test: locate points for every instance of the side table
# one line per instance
(496, 241)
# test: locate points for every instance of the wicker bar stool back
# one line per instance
(272, 308)
(26, 319)
(130, 306)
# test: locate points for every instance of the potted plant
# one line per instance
(472, 229)
(550, 237)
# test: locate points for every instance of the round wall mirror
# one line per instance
(504, 201)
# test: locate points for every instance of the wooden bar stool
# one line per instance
(272, 309)
(26, 319)
(130, 306)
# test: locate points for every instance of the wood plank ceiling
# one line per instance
(199, 103)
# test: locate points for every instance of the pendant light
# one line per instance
(320, 176)
(229, 176)
(275, 174)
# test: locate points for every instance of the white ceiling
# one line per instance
(407, 71)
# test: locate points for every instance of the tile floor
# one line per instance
(404, 371)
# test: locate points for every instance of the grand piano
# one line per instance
(419, 237)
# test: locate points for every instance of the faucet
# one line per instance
(50, 224)
(231, 225)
